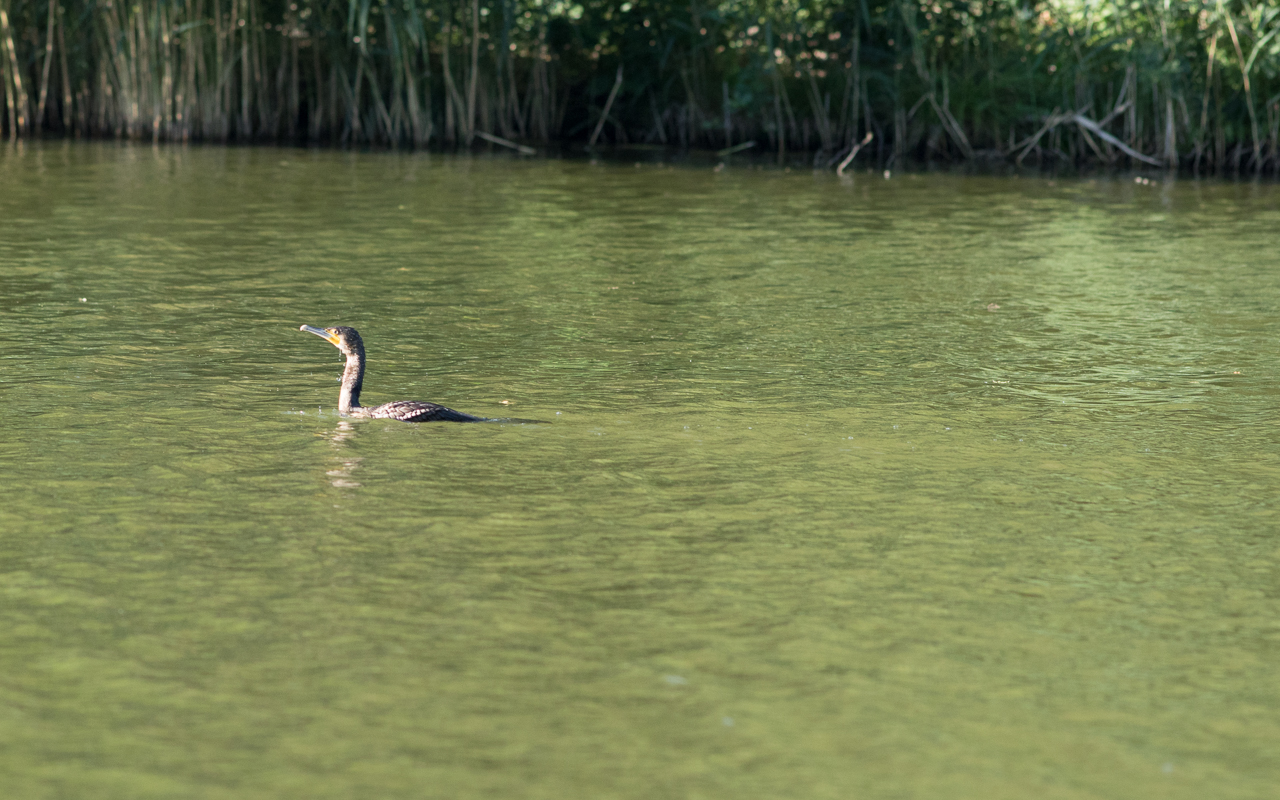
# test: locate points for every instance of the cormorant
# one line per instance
(352, 346)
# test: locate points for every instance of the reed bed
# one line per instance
(1158, 82)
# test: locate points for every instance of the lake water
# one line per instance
(928, 487)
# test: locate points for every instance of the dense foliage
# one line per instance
(1189, 81)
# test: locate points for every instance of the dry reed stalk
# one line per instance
(821, 115)
(65, 74)
(498, 140)
(455, 107)
(516, 116)
(246, 68)
(608, 104)
(48, 62)
(853, 152)
(777, 105)
(738, 148)
(469, 131)
(19, 120)
(1244, 74)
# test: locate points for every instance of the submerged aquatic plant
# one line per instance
(1190, 82)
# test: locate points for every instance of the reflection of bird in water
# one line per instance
(341, 434)
(348, 341)
(341, 477)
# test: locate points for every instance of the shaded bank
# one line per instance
(1190, 83)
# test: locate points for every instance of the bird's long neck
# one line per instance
(352, 382)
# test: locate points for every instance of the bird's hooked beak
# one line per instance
(331, 338)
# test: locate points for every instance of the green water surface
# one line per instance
(928, 487)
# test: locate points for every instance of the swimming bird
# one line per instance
(349, 342)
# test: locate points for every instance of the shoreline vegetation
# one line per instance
(1166, 83)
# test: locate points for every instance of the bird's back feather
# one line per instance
(418, 411)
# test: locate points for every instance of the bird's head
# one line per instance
(345, 339)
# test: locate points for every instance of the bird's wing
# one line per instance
(418, 411)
